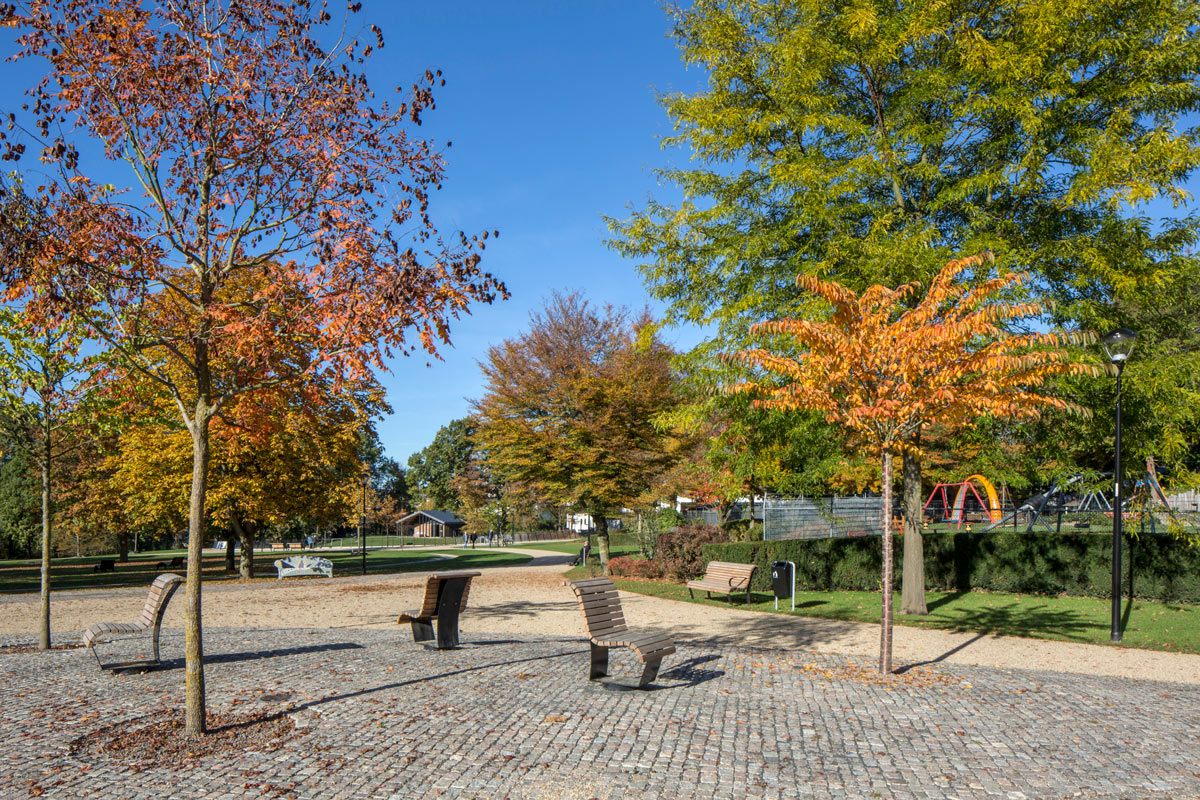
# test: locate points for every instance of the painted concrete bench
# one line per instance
(296, 566)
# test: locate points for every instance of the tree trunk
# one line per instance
(124, 545)
(194, 724)
(885, 622)
(912, 588)
(246, 563)
(601, 523)
(230, 563)
(44, 627)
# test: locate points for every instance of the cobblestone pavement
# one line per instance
(385, 718)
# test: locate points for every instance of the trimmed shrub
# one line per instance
(627, 567)
(1077, 564)
(678, 553)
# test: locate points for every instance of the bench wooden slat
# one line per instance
(604, 621)
(609, 631)
(435, 606)
(724, 577)
(161, 591)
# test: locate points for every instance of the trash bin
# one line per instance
(783, 581)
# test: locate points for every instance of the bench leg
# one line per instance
(449, 604)
(599, 662)
(154, 645)
(649, 672)
(422, 630)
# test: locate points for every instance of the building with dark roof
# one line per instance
(432, 523)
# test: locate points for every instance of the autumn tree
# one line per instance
(43, 387)
(276, 458)
(570, 404)
(256, 148)
(478, 495)
(883, 370)
(431, 472)
(869, 143)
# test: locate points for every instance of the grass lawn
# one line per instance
(140, 570)
(573, 549)
(1148, 625)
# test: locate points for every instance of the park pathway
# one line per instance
(514, 716)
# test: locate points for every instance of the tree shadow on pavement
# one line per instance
(942, 657)
(257, 655)
(689, 672)
(1021, 619)
(522, 608)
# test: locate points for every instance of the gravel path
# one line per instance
(532, 600)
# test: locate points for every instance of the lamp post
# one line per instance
(362, 526)
(1118, 346)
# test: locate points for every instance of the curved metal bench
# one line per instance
(161, 590)
(605, 623)
(445, 598)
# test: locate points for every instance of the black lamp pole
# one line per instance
(362, 528)
(1118, 345)
(1117, 522)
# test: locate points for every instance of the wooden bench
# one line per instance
(726, 577)
(177, 561)
(445, 598)
(105, 565)
(278, 546)
(295, 545)
(605, 624)
(151, 620)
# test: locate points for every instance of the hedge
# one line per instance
(1078, 564)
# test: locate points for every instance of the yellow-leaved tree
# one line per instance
(883, 368)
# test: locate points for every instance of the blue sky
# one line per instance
(552, 111)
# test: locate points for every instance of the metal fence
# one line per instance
(712, 516)
(821, 517)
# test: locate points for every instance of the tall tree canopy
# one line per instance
(570, 405)
(869, 143)
(280, 224)
(431, 472)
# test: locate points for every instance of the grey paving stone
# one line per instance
(385, 718)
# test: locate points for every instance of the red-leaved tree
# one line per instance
(279, 222)
(883, 369)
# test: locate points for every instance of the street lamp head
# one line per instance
(1118, 345)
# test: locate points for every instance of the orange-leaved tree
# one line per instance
(256, 150)
(883, 368)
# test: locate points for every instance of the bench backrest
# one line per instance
(736, 575)
(601, 606)
(156, 602)
(433, 591)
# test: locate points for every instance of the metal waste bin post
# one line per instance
(783, 581)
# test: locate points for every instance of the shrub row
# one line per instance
(1078, 564)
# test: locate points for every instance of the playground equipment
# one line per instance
(955, 512)
(1146, 499)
